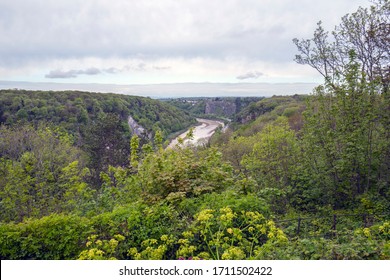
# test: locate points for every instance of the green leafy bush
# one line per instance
(53, 237)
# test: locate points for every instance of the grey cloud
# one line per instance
(116, 70)
(112, 70)
(34, 33)
(250, 75)
(39, 29)
(90, 71)
(141, 66)
(60, 74)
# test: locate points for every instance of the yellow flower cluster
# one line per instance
(227, 215)
(100, 249)
(205, 215)
(233, 253)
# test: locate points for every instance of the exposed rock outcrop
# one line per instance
(137, 129)
(220, 108)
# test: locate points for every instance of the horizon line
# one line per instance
(186, 89)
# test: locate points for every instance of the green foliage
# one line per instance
(106, 144)
(158, 140)
(117, 184)
(136, 222)
(344, 141)
(221, 234)
(236, 201)
(236, 148)
(134, 144)
(54, 237)
(175, 174)
(272, 162)
(98, 123)
(85, 107)
(361, 244)
(41, 173)
(274, 155)
(257, 115)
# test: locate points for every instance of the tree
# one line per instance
(346, 133)
(158, 140)
(236, 149)
(344, 139)
(365, 32)
(134, 145)
(106, 144)
(273, 161)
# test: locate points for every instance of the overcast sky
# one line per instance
(161, 41)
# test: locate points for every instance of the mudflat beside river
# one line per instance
(202, 133)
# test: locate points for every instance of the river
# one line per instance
(202, 133)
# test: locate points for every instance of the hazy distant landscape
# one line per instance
(175, 90)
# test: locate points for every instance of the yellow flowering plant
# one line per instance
(225, 234)
(98, 249)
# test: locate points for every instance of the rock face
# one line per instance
(220, 108)
(137, 129)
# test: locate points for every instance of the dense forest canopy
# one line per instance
(293, 177)
(73, 109)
